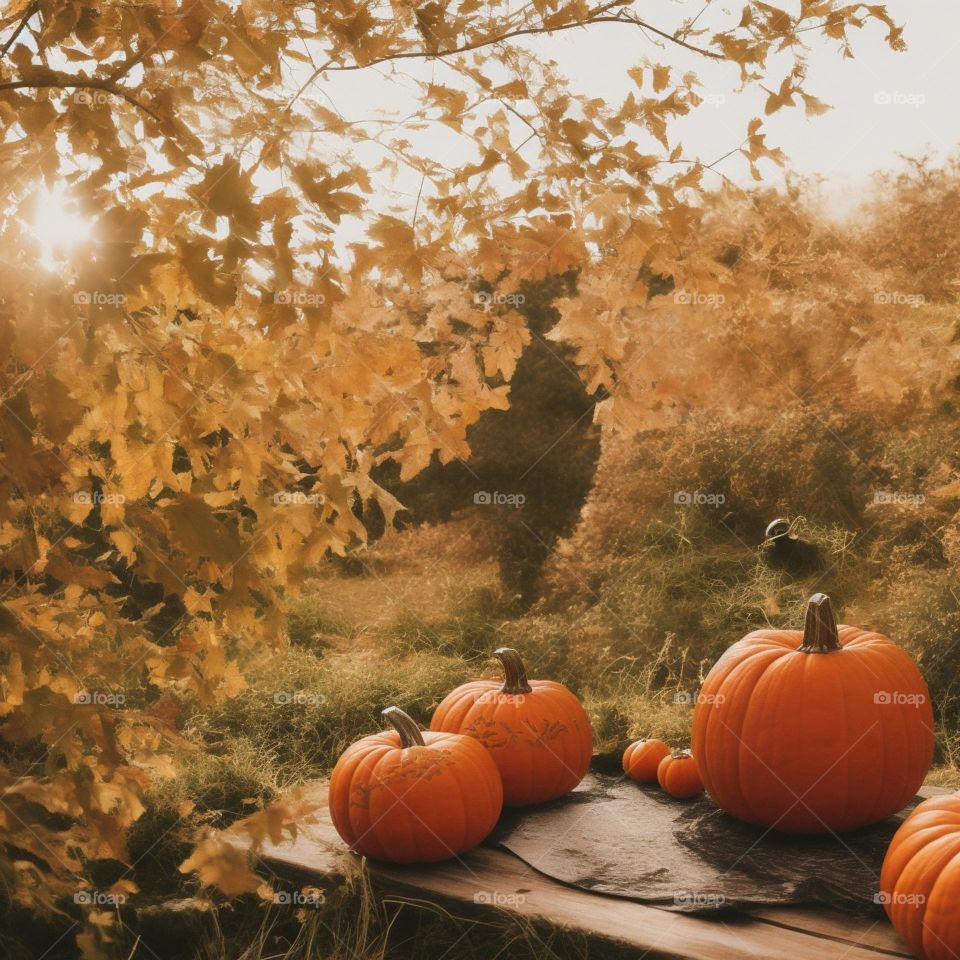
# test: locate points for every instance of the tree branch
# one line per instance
(524, 31)
(92, 83)
(599, 15)
(31, 10)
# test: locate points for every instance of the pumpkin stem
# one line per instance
(820, 627)
(514, 672)
(406, 726)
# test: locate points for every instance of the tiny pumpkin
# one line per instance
(641, 759)
(407, 796)
(679, 775)
(536, 731)
(920, 879)
(813, 731)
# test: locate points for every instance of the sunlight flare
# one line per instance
(58, 227)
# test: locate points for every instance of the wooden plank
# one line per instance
(495, 875)
(487, 878)
(876, 934)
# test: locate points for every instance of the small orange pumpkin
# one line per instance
(813, 731)
(679, 775)
(641, 759)
(920, 879)
(537, 732)
(406, 796)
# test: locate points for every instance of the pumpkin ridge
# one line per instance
(441, 832)
(768, 679)
(359, 796)
(943, 917)
(461, 703)
(451, 713)
(579, 748)
(465, 795)
(374, 780)
(401, 811)
(546, 762)
(858, 779)
(910, 680)
(906, 845)
(352, 761)
(445, 832)
(878, 784)
(569, 752)
(906, 682)
(880, 801)
(716, 732)
(493, 785)
(798, 802)
(785, 639)
(534, 770)
(768, 717)
(918, 878)
(840, 772)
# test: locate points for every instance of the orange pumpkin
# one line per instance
(920, 880)
(641, 759)
(405, 796)
(536, 731)
(678, 774)
(816, 731)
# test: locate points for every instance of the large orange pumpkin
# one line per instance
(406, 796)
(822, 730)
(920, 880)
(536, 731)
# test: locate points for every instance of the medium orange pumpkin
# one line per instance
(920, 880)
(641, 759)
(406, 796)
(536, 731)
(816, 731)
(679, 775)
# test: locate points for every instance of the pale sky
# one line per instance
(884, 103)
(860, 134)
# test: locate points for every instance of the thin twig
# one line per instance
(31, 10)
(416, 206)
(596, 16)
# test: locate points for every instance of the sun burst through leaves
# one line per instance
(59, 227)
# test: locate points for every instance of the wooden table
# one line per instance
(488, 875)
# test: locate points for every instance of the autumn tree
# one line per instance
(194, 395)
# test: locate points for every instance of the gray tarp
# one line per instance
(618, 837)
